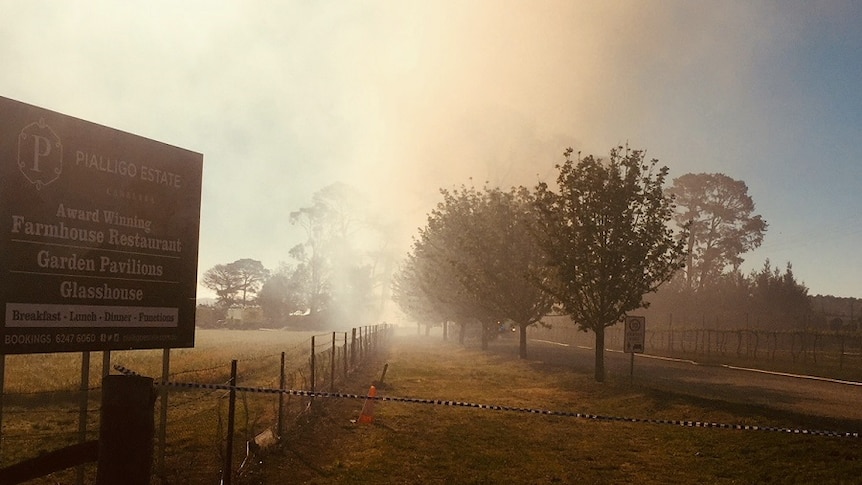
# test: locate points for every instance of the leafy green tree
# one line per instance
(607, 238)
(224, 282)
(283, 294)
(477, 260)
(429, 283)
(250, 275)
(507, 265)
(777, 297)
(722, 225)
(235, 283)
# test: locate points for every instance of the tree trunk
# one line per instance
(522, 343)
(461, 331)
(689, 268)
(600, 353)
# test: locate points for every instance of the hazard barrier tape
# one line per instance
(495, 407)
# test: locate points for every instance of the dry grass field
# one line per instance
(41, 400)
(423, 443)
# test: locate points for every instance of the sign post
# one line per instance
(98, 236)
(634, 338)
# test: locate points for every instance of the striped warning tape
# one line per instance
(495, 407)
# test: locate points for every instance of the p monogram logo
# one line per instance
(40, 154)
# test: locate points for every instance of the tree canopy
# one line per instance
(478, 260)
(236, 283)
(721, 222)
(607, 237)
(283, 294)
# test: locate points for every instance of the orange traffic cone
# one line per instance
(367, 414)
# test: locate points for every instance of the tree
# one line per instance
(508, 264)
(329, 223)
(311, 255)
(429, 283)
(344, 255)
(408, 292)
(224, 281)
(282, 294)
(237, 282)
(607, 238)
(778, 297)
(477, 260)
(722, 225)
(250, 275)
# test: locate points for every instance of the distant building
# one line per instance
(250, 316)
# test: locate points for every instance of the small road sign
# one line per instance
(635, 335)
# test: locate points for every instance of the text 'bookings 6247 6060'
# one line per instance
(99, 236)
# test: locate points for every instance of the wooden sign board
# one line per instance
(99, 236)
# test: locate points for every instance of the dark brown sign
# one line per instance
(99, 236)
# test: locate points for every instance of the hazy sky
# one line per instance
(400, 98)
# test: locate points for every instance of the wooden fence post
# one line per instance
(126, 431)
(670, 332)
(163, 413)
(313, 366)
(281, 380)
(353, 348)
(345, 357)
(227, 472)
(2, 393)
(332, 366)
(106, 363)
(82, 408)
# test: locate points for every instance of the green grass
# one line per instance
(421, 443)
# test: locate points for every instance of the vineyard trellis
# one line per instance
(837, 349)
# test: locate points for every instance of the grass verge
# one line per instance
(421, 443)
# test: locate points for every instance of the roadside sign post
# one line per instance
(633, 339)
(98, 241)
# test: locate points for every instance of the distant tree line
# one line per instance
(590, 249)
(608, 240)
(711, 290)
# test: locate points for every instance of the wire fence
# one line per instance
(191, 423)
(831, 351)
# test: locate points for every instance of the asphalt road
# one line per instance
(798, 395)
